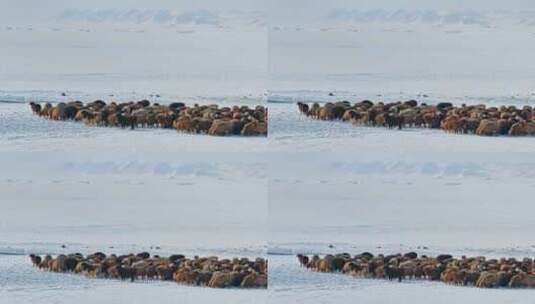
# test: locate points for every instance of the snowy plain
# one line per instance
(342, 188)
(336, 188)
(190, 203)
(309, 185)
(69, 188)
(133, 51)
(20, 283)
(482, 53)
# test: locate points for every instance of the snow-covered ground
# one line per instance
(22, 131)
(88, 189)
(411, 195)
(378, 190)
(21, 283)
(186, 200)
(291, 284)
(186, 53)
(456, 52)
(387, 191)
(309, 185)
(407, 182)
(291, 132)
(164, 203)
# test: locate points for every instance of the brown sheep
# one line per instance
(236, 120)
(183, 123)
(255, 280)
(325, 265)
(326, 112)
(221, 127)
(522, 280)
(450, 275)
(254, 128)
(451, 124)
(185, 276)
(220, 280)
(487, 279)
(488, 127)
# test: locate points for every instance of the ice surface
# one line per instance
(64, 184)
(291, 284)
(337, 188)
(412, 187)
(21, 283)
(454, 53)
(188, 201)
(84, 51)
(59, 196)
(20, 130)
(311, 184)
(291, 132)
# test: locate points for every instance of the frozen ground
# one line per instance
(372, 189)
(377, 190)
(21, 283)
(472, 200)
(127, 53)
(192, 203)
(20, 130)
(191, 200)
(455, 203)
(185, 53)
(118, 191)
(452, 52)
(309, 185)
(291, 284)
(291, 132)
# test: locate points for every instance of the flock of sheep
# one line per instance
(244, 273)
(242, 120)
(199, 271)
(206, 119)
(466, 119)
(465, 271)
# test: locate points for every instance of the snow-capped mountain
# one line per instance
(433, 17)
(163, 17)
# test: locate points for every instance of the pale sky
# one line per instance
(397, 4)
(38, 10)
(295, 11)
(276, 9)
